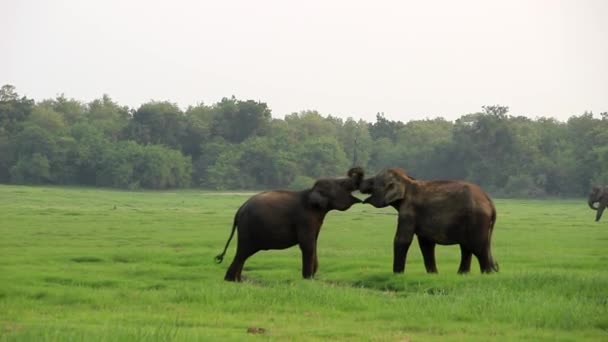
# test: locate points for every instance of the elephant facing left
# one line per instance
(280, 219)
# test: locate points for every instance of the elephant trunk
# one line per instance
(356, 174)
(591, 202)
(366, 186)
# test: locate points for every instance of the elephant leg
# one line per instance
(486, 264)
(465, 260)
(316, 260)
(233, 272)
(401, 244)
(308, 258)
(427, 247)
(600, 210)
(236, 267)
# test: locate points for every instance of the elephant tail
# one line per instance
(492, 218)
(492, 222)
(220, 257)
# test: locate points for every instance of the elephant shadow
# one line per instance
(385, 283)
(395, 285)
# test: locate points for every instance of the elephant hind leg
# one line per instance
(486, 263)
(465, 260)
(233, 271)
(236, 267)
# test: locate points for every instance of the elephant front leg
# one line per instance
(309, 259)
(427, 247)
(403, 240)
(600, 210)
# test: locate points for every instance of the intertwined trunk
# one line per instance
(590, 202)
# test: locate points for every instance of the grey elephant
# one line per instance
(437, 212)
(598, 195)
(281, 219)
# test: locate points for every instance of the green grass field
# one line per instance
(101, 265)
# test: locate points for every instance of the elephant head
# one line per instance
(598, 195)
(329, 194)
(388, 187)
(594, 197)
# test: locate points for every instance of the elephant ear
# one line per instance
(317, 200)
(394, 187)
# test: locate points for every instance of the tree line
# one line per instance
(236, 144)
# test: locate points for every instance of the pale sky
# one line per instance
(408, 59)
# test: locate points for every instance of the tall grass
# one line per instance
(99, 265)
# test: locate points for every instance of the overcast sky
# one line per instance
(408, 59)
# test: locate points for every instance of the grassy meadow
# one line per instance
(79, 264)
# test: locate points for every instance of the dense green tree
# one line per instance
(33, 139)
(306, 124)
(158, 167)
(71, 110)
(45, 117)
(265, 164)
(384, 128)
(130, 165)
(90, 144)
(236, 120)
(209, 154)
(13, 110)
(224, 173)
(161, 123)
(6, 159)
(584, 141)
(235, 144)
(488, 146)
(357, 142)
(323, 157)
(31, 169)
(198, 122)
(111, 118)
(416, 144)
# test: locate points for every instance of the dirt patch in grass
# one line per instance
(86, 259)
(256, 330)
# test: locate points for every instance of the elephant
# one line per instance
(280, 219)
(444, 212)
(598, 195)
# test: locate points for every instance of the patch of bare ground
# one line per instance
(256, 330)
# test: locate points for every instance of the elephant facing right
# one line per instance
(598, 195)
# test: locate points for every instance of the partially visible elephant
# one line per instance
(598, 195)
(280, 219)
(437, 212)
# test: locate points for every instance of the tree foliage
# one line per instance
(235, 144)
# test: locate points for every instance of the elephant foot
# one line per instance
(232, 277)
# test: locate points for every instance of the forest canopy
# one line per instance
(237, 144)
